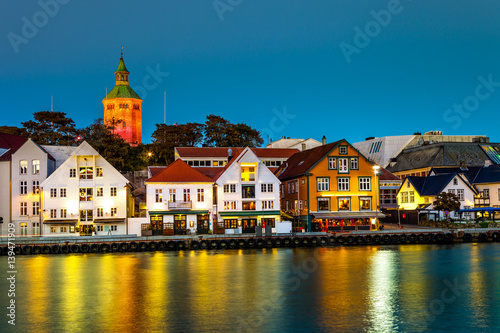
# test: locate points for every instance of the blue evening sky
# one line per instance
(286, 67)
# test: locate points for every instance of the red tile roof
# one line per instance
(301, 162)
(221, 152)
(386, 175)
(154, 170)
(180, 172)
(11, 142)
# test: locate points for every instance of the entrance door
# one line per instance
(202, 224)
(249, 226)
(179, 224)
(86, 229)
(157, 225)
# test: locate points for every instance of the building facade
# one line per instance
(86, 196)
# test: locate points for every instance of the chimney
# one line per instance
(463, 165)
(303, 146)
(487, 163)
(323, 140)
(229, 155)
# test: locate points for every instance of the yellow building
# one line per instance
(329, 186)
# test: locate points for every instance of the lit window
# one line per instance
(53, 230)
(267, 204)
(187, 195)
(36, 186)
(86, 194)
(343, 165)
(323, 204)
(64, 229)
(354, 163)
(23, 167)
(323, 184)
(229, 205)
(114, 211)
(99, 191)
(86, 172)
(332, 163)
(171, 195)
(98, 172)
(365, 203)
(248, 205)
(86, 215)
(248, 191)
(158, 195)
(36, 167)
(201, 195)
(344, 204)
(247, 173)
(230, 223)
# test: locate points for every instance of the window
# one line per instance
(114, 228)
(300, 205)
(24, 187)
(248, 205)
(228, 205)
(62, 192)
(364, 183)
(305, 203)
(53, 213)
(187, 195)
(158, 195)
(343, 184)
(323, 184)
(23, 208)
(112, 191)
(24, 229)
(412, 196)
(455, 181)
(98, 172)
(53, 192)
(293, 187)
(36, 186)
(460, 195)
(324, 204)
(344, 204)
(247, 173)
(36, 228)
(286, 205)
(230, 223)
(332, 163)
(100, 228)
(53, 230)
(248, 191)
(451, 191)
(229, 188)
(289, 187)
(64, 229)
(343, 150)
(404, 197)
(365, 203)
(86, 215)
(408, 185)
(267, 204)
(114, 211)
(343, 165)
(86, 194)
(486, 193)
(23, 167)
(100, 212)
(72, 173)
(36, 167)
(201, 195)
(86, 172)
(268, 222)
(354, 163)
(171, 195)
(266, 187)
(36, 208)
(64, 213)
(99, 191)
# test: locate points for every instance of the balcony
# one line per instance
(180, 205)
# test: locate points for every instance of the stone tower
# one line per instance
(122, 108)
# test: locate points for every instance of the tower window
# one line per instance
(122, 77)
(124, 124)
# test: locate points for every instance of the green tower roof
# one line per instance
(121, 66)
(122, 92)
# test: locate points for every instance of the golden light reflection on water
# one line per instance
(477, 281)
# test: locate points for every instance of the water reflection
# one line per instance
(349, 289)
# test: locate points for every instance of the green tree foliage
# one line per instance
(20, 131)
(111, 146)
(51, 128)
(446, 202)
(166, 137)
(219, 132)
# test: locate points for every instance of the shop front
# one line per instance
(344, 221)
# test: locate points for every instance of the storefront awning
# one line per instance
(60, 221)
(250, 213)
(347, 215)
(178, 212)
(109, 220)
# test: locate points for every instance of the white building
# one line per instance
(179, 198)
(300, 144)
(247, 194)
(31, 165)
(86, 195)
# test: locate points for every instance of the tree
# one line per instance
(51, 128)
(219, 132)
(110, 146)
(20, 131)
(446, 202)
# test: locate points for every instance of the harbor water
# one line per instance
(391, 288)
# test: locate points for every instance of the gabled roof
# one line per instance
(154, 170)
(11, 143)
(300, 163)
(470, 172)
(179, 172)
(222, 152)
(386, 175)
(433, 185)
(490, 174)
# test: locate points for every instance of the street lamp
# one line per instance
(376, 170)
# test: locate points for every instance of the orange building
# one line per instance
(122, 108)
(328, 187)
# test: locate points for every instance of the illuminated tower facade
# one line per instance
(122, 108)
